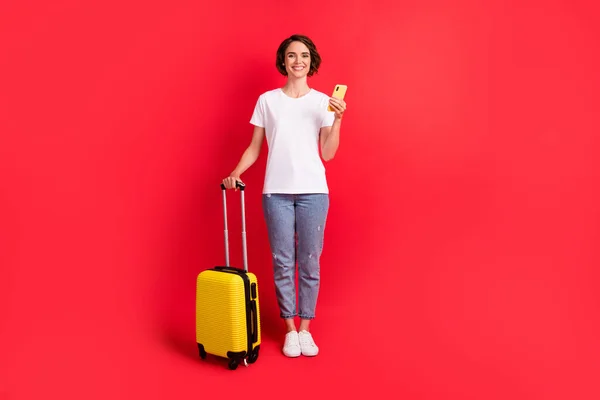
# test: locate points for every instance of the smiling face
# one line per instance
(297, 57)
(297, 60)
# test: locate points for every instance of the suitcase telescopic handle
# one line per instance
(240, 185)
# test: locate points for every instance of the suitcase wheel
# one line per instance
(202, 351)
(233, 364)
(253, 356)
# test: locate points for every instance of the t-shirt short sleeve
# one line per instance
(258, 116)
(328, 116)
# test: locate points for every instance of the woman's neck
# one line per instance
(296, 88)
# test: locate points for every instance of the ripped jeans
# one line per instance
(295, 226)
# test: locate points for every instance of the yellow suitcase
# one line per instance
(227, 306)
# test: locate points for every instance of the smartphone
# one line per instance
(339, 92)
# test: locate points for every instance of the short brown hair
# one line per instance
(315, 58)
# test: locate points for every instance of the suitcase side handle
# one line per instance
(240, 185)
(254, 322)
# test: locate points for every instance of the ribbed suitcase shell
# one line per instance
(221, 313)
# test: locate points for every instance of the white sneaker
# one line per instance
(291, 347)
(307, 344)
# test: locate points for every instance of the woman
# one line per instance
(297, 124)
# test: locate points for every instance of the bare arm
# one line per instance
(330, 135)
(330, 140)
(248, 158)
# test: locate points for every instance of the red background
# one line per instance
(461, 256)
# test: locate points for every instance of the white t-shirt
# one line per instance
(292, 129)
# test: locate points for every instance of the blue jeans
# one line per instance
(295, 226)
